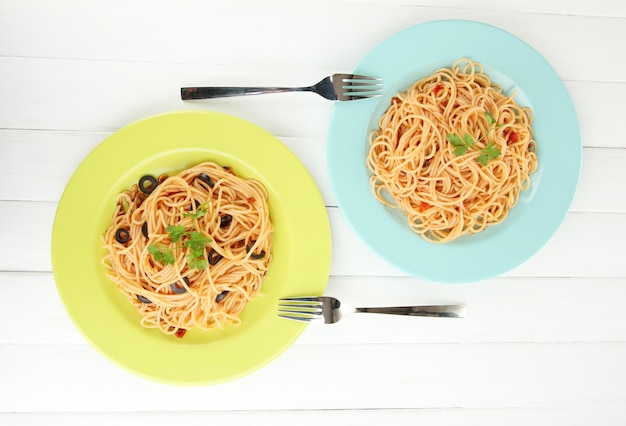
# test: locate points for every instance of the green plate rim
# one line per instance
(170, 142)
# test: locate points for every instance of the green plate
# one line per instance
(169, 143)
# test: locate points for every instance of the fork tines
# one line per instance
(361, 85)
(305, 309)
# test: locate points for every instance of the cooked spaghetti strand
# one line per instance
(444, 192)
(231, 218)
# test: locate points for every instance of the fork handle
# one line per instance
(225, 92)
(446, 311)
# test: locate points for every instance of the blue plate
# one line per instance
(403, 59)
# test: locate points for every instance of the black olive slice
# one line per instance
(147, 184)
(144, 229)
(258, 256)
(179, 289)
(255, 256)
(221, 296)
(122, 236)
(214, 257)
(225, 220)
(143, 299)
(206, 179)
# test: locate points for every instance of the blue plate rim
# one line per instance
(541, 209)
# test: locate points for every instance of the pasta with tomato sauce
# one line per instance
(453, 153)
(190, 250)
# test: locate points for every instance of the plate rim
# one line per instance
(287, 331)
(349, 192)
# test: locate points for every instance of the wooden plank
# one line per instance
(26, 242)
(316, 377)
(39, 318)
(596, 107)
(608, 8)
(587, 244)
(502, 310)
(104, 96)
(20, 150)
(571, 416)
(29, 175)
(544, 344)
(110, 33)
(600, 187)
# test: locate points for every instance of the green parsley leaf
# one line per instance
(459, 150)
(454, 139)
(196, 241)
(490, 118)
(468, 140)
(202, 210)
(461, 145)
(492, 121)
(153, 250)
(195, 215)
(196, 244)
(488, 153)
(197, 263)
(161, 254)
(482, 159)
(168, 257)
(175, 232)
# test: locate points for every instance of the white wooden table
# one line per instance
(544, 344)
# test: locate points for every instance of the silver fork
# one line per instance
(329, 310)
(337, 87)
